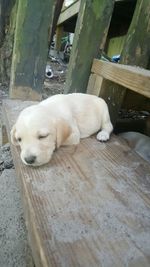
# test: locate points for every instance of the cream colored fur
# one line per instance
(59, 120)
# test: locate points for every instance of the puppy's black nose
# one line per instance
(30, 159)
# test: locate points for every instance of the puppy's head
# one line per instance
(38, 134)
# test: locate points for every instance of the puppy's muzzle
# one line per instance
(30, 159)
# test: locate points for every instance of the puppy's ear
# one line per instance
(12, 135)
(63, 130)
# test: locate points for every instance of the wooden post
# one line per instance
(59, 35)
(2, 24)
(136, 51)
(8, 12)
(58, 7)
(90, 34)
(34, 23)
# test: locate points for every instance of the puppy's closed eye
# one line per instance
(42, 136)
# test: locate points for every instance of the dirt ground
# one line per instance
(14, 248)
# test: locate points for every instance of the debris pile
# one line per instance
(6, 161)
(133, 114)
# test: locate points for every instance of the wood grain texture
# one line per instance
(90, 36)
(58, 38)
(134, 78)
(135, 52)
(90, 206)
(30, 48)
(94, 84)
(69, 12)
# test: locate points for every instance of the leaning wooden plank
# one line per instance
(90, 34)
(90, 206)
(136, 49)
(30, 48)
(2, 22)
(69, 12)
(136, 46)
(135, 52)
(58, 7)
(134, 78)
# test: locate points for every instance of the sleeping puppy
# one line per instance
(59, 120)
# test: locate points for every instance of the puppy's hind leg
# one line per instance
(106, 128)
(74, 137)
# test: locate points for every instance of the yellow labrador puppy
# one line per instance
(59, 120)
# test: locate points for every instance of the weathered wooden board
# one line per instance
(94, 84)
(134, 78)
(58, 8)
(135, 52)
(90, 36)
(59, 35)
(69, 12)
(2, 22)
(136, 47)
(90, 206)
(31, 48)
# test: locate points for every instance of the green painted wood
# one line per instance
(136, 51)
(33, 26)
(137, 44)
(58, 8)
(8, 10)
(2, 22)
(5, 12)
(90, 34)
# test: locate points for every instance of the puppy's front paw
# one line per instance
(102, 136)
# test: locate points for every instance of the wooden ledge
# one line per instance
(134, 78)
(69, 12)
(89, 206)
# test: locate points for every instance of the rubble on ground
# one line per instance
(6, 161)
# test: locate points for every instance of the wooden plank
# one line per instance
(30, 48)
(87, 42)
(136, 49)
(69, 12)
(58, 7)
(2, 22)
(135, 52)
(134, 78)
(90, 206)
(59, 35)
(94, 84)
(91, 83)
(136, 46)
